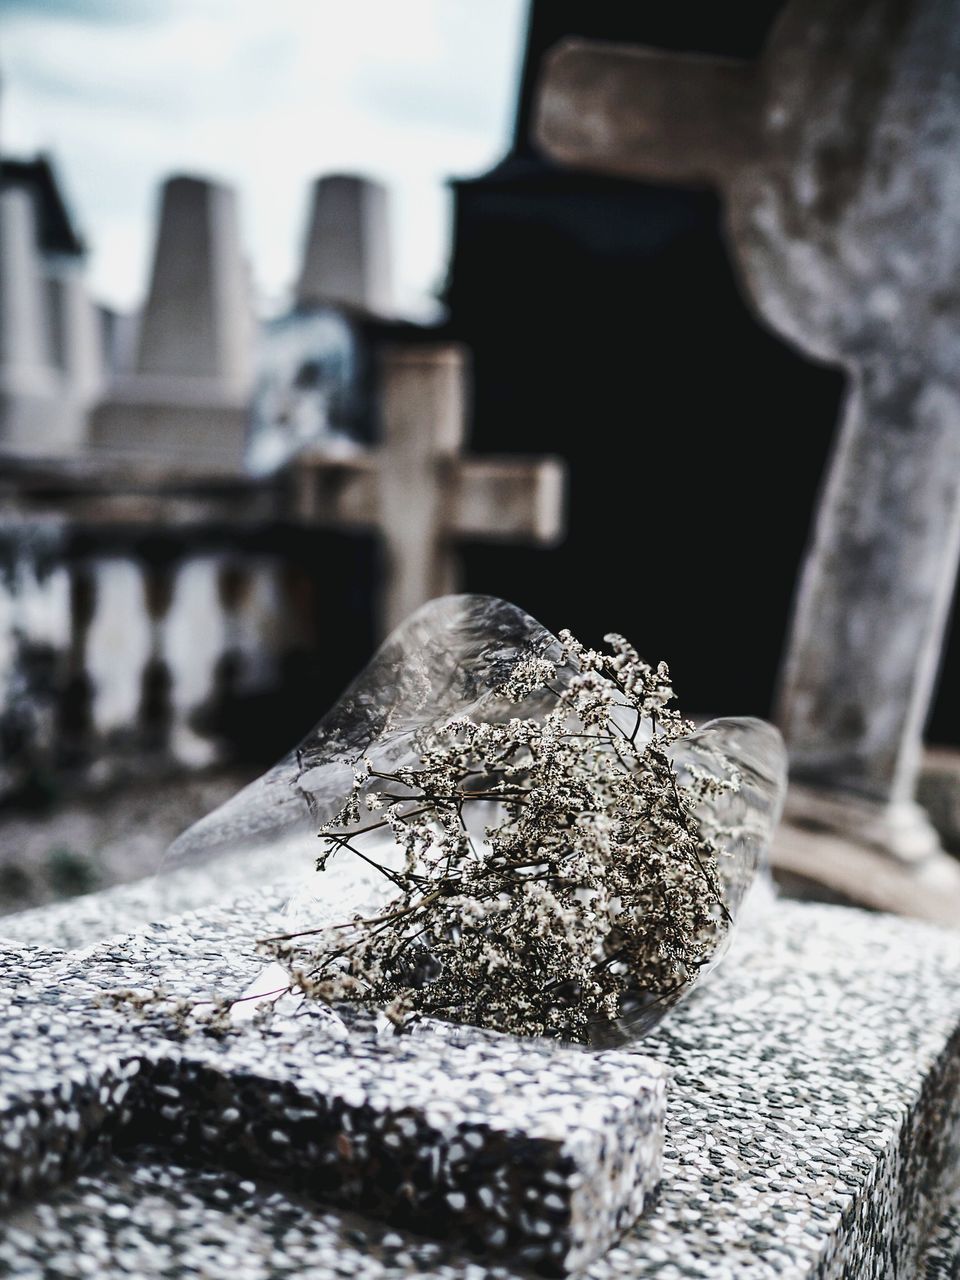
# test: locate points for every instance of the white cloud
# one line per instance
(266, 96)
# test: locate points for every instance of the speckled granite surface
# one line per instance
(531, 1150)
(91, 917)
(812, 1126)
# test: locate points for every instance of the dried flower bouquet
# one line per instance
(559, 875)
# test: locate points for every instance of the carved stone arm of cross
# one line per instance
(420, 491)
(641, 113)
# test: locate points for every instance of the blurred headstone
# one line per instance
(822, 149)
(186, 402)
(346, 258)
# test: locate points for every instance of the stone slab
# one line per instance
(812, 1131)
(90, 918)
(542, 1152)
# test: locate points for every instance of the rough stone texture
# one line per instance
(532, 1149)
(91, 917)
(811, 1131)
(838, 154)
(941, 1260)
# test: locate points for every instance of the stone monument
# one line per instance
(185, 404)
(836, 154)
(346, 258)
(51, 352)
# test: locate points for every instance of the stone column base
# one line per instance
(901, 829)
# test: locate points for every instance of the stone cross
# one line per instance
(419, 490)
(186, 400)
(346, 255)
(839, 156)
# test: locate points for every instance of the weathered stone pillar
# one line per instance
(29, 386)
(77, 342)
(346, 255)
(186, 401)
(195, 322)
(871, 609)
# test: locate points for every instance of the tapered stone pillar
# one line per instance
(346, 255)
(77, 340)
(186, 401)
(195, 323)
(29, 386)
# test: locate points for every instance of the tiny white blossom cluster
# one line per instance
(591, 900)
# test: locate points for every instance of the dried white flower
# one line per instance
(594, 888)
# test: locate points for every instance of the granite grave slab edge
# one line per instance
(812, 1132)
(533, 1150)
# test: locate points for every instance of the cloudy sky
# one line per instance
(265, 94)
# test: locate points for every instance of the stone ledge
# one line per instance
(534, 1150)
(812, 1129)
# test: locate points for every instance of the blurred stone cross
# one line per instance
(419, 490)
(839, 157)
